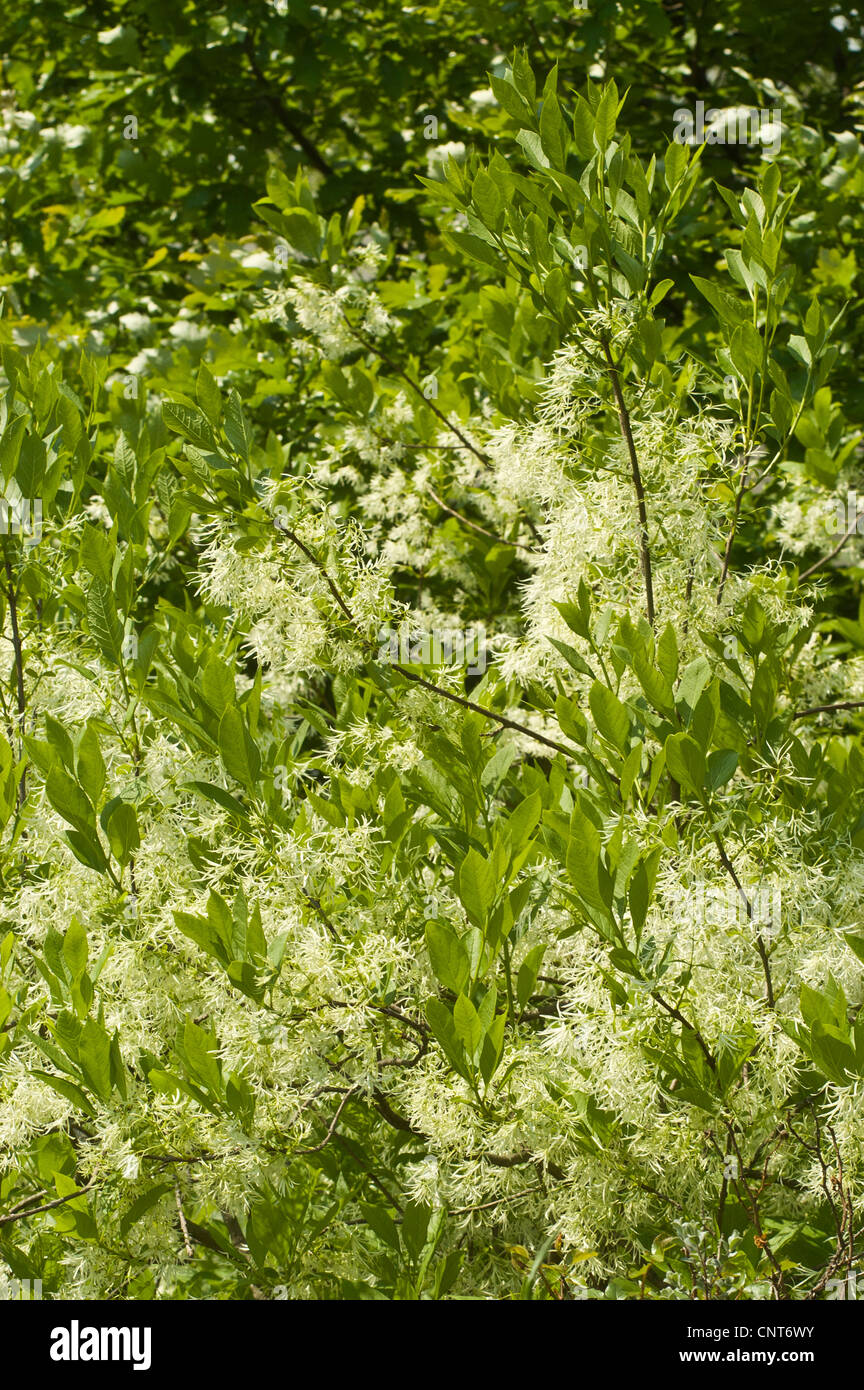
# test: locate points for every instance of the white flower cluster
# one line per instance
(335, 318)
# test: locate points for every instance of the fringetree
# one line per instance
(328, 971)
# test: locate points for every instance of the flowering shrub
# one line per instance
(339, 966)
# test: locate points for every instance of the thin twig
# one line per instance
(496, 1201)
(48, 1206)
(481, 530)
(287, 119)
(316, 905)
(748, 907)
(372, 346)
(412, 675)
(329, 1135)
(828, 709)
(19, 662)
(730, 539)
(183, 1227)
(685, 1023)
(826, 559)
(627, 433)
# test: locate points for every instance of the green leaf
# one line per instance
(235, 426)
(660, 291)
(203, 932)
(94, 1055)
(123, 835)
(532, 145)
(675, 163)
(87, 849)
(476, 886)
(585, 869)
(142, 1205)
(124, 461)
(763, 696)
(685, 762)
(610, 715)
(219, 796)
(475, 248)
(855, 942)
(302, 231)
(103, 622)
(239, 754)
(639, 894)
(75, 949)
(67, 1089)
(191, 423)
(721, 768)
(487, 198)
(573, 658)
(468, 1025)
(606, 117)
(832, 1054)
(382, 1224)
(745, 348)
(90, 764)
(515, 105)
(208, 394)
(694, 679)
(521, 824)
(96, 553)
(667, 654)
(440, 1020)
(199, 1052)
(217, 685)
(60, 741)
(526, 980)
(583, 128)
(523, 78)
(245, 977)
(69, 800)
(728, 310)
(553, 132)
(448, 956)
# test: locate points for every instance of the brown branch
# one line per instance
(48, 1206)
(372, 346)
(183, 1227)
(685, 1023)
(316, 905)
(393, 1118)
(288, 119)
(487, 713)
(627, 434)
(748, 906)
(826, 559)
(320, 568)
(481, 530)
(19, 661)
(762, 1240)
(352, 1090)
(496, 1201)
(412, 675)
(828, 709)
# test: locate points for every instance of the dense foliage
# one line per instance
(431, 763)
